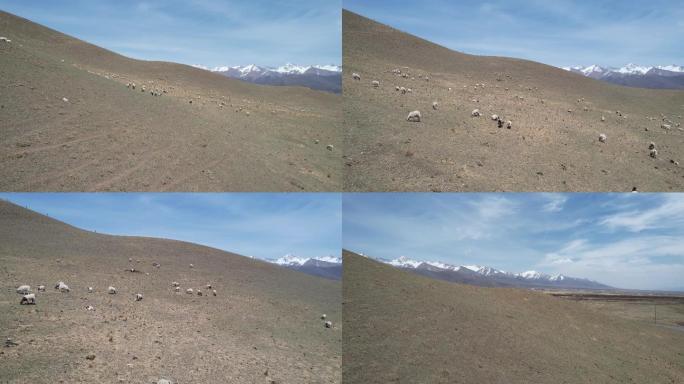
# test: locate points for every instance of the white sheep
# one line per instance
(409, 90)
(89, 308)
(653, 153)
(175, 284)
(603, 118)
(132, 86)
(435, 105)
(328, 324)
(213, 292)
(396, 88)
(375, 83)
(24, 289)
(666, 126)
(29, 299)
(192, 265)
(414, 117)
(651, 145)
(509, 124)
(475, 113)
(208, 286)
(138, 296)
(603, 138)
(111, 290)
(189, 291)
(62, 287)
(177, 289)
(329, 147)
(41, 288)
(199, 292)
(90, 289)
(6, 40)
(402, 90)
(323, 316)
(495, 117)
(356, 76)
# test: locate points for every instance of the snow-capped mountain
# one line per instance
(329, 267)
(488, 276)
(321, 77)
(632, 75)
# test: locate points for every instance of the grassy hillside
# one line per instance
(401, 327)
(547, 148)
(263, 324)
(234, 136)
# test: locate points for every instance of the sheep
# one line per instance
(41, 288)
(509, 124)
(175, 284)
(356, 76)
(409, 90)
(602, 137)
(403, 90)
(329, 147)
(199, 292)
(62, 287)
(328, 324)
(651, 145)
(128, 85)
(396, 88)
(666, 126)
(138, 296)
(323, 316)
(177, 289)
(213, 292)
(189, 291)
(142, 89)
(89, 308)
(208, 286)
(64, 99)
(90, 289)
(29, 299)
(603, 118)
(6, 40)
(495, 117)
(435, 105)
(499, 123)
(24, 289)
(192, 265)
(111, 290)
(475, 113)
(413, 117)
(653, 153)
(375, 83)
(133, 85)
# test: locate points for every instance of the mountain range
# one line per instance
(488, 276)
(632, 75)
(328, 267)
(320, 77)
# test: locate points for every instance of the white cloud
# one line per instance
(556, 202)
(669, 214)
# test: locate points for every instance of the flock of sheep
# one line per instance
(154, 92)
(415, 116)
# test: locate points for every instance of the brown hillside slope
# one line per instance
(547, 149)
(405, 328)
(234, 136)
(263, 324)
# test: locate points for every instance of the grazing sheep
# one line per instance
(199, 292)
(89, 308)
(142, 89)
(175, 284)
(603, 118)
(475, 113)
(403, 90)
(138, 296)
(666, 126)
(653, 153)
(602, 137)
(499, 123)
(435, 105)
(328, 324)
(189, 291)
(62, 287)
(414, 116)
(6, 40)
(133, 85)
(356, 76)
(90, 289)
(213, 292)
(375, 83)
(396, 88)
(24, 289)
(111, 290)
(64, 99)
(323, 316)
(41, 288)
(29, 299)
(651, 145)
(409, 90)
(192, 265)
(509, 124)
(495, 117)
(208, 286)
(128, 85)
(177, 289)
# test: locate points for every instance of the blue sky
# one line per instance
(262, 225)
(205, 32)
(624, 240)
(555, 32)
